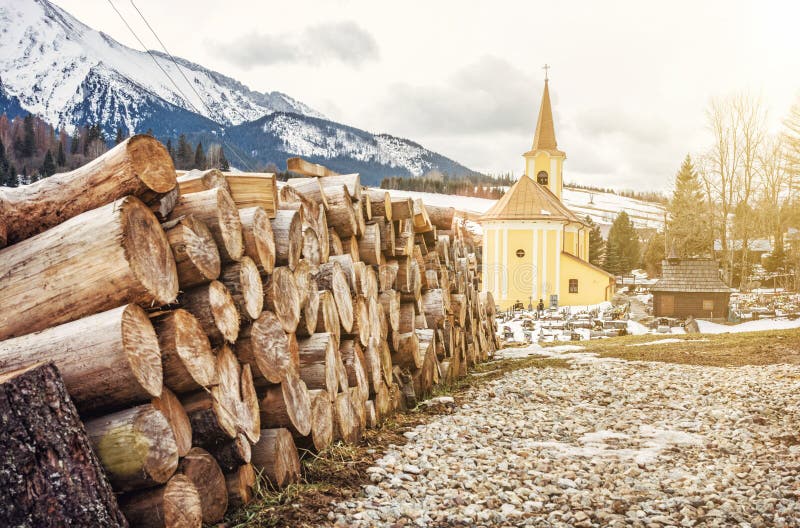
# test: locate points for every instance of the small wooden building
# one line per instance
(691, 286)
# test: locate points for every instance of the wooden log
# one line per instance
(311, 188)
(213, 422)
(458, 305)
(346, 426)
(202, 180)
(306, 168)
(349, 266)
(387, 235)
(390, 300)
(351, 181)
(173, 505)
(387, 274)
(310, 313)
(371, 414)
(276, 455)
(254, 189)
(402, 208)
(204, 472)
(244, 284)
(334, 243)
(217, 209)
(248, 415)
(328, 315)
(406, 320)
(321, 422)
(139, 166)
(189, 364)
(353, 360)
(287, 405)
(196, 255)
(214, 308)
(287, 228)
(321, 228)
(318, 362)
(312, 251)
(366, 205)
(259, 240)
(232, 453)
(350, 247)
(136, 447)
(302, 276)
(383, 402)
(282, 297)
(49, 474)
(164, 204)
(109, 360)
(361, 222)
(359, 409)
(237, 395)
(361, 321)
(372, 363)
(407, 354)
(435, 308)
(46, 280)
(341, 371)
(441, 217)
(264, 346)
(241, 483)
(340, 214)
(170, 406)
(381, 202)
(331, 277)
(369, 246)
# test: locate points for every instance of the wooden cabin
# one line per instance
(691, 287)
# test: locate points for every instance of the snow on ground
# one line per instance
(637, 328)
(707, 327)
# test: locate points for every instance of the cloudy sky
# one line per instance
(630, 80)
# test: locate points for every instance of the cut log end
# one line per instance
(141, 347)
(148, 158)
(226, 317)
(174, 505)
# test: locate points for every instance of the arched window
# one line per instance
(541, 178)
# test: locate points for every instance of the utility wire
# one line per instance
(188, 101)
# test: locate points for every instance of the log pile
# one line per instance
(219, 326)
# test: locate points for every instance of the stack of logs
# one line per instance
(210, 326)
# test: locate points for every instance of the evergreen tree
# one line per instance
(48, 166)
(688, 230)
(622, 248)
(61, 157)
(28, 138)
(184, 156)
(597, 245)
(74, 142)
(120, 136)
(223, 161)
(200, 157)
(7, 177)
(170, 150)
(654, 254)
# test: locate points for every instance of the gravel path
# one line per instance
(602, 443)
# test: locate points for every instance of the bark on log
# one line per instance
(264, 346)
(318, 362)
(196, 255)
(352, 183)
(109, 360)
(197, 180)
(244, 283)
(139, 166)
(164, 204)
(46, 281)
(321, 422)
(282, 298)
(387, 235)
(276, 454)
(311, 188)
(328, 316)
(241, 483)
(287, 405)
(204, 472)
(381, 202)
(259, 240)
(331, 277)
(340, 214)
(170, 406)
(188, 361)
(173, 505)
(287, 229)
(212, 422)
(232, 454)
(407, 354)
(213, 306)
(136, 447)
(217, 209)
(49, 475)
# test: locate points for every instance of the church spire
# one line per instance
(545, 136)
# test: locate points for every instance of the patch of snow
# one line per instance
(708, 327)
(637, 328)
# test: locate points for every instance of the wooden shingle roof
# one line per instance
(690, 275)
(528, 200)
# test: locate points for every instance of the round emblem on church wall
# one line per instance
(520, 253)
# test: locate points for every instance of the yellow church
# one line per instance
(534, 247)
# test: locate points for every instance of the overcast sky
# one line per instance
(630, 80)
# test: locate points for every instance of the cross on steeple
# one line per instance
(545, 68)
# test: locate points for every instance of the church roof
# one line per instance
(545, 136)
(528, 200)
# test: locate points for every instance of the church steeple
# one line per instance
(544, 162)
(545, 136)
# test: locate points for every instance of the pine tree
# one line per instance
(28, 138)
(223, 161)
(688, 230)
(622, 248)
(120, 136)
(48, 166)
(61, 157)
(597, 245)
(170, 150)
(7, 177)
(200, 157)
(654, 254)
(184, 156)
(74, 142)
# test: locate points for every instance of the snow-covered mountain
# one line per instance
(53, 65)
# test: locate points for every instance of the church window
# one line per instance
(520, 253)
(573, 285)
(541, 178)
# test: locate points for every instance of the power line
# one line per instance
(188, 101)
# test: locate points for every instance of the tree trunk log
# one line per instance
(254, 189)
(353, 359)
(170, 406)
(352, 183)
(328, 317)
(217, 209)
(361, 323)
(402, 208)
(282, 297)
(49, 475)
(441, 217)
(390, 300)
(345, 421)
(407, 355)
(318, 362)
(136, 447)
(123, 257)
(435, 308)
(204, 472)
(196, 254)
(212, 422)
(139, 166)
(371, 414)
(311, 188)
(259, 240)
(276, 454)
(197, 180)
(331, 277)
(109, 360)
(267, 349)
(249, 417)
(311, 247)
(241, 483)
(321, 422)
(287, 405)
(244, 283)
(334, 243)
(173, 505)
(213, 306)
(340, 214)
(287, 228)
(186, 355)
(372, 363)
(381, 202)
(310, 313)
